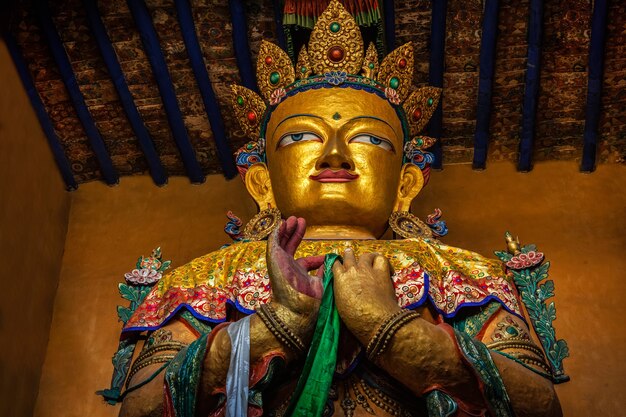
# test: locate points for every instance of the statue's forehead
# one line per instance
(334, 104)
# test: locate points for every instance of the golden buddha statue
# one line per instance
(393, 327)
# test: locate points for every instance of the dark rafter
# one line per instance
(117, 77)
(46, 124)
(150, 41)
(188, 29)
(485, 82)
(109, 173)
(435, 72)
(594, 85)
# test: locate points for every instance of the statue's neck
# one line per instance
(336, 232)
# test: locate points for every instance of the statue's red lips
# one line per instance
(328, 175)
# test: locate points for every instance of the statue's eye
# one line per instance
(373, 140)
(290, 138)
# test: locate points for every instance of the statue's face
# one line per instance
(335, 158)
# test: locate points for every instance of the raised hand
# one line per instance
(364, 292)
(295, 293)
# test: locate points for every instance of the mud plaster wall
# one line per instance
(576, 219)
(34, 212)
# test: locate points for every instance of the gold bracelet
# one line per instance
(387, 330)
(138, 365)
(279, 329)
(162, 347)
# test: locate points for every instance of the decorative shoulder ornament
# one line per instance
(335, 58)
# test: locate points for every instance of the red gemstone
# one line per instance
(335, 54)
(251, 117)
(268, 60)
(417, 114)
(402, 63)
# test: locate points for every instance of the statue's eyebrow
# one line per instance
(375, 118)
(295, 115)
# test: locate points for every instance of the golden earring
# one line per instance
(409, 226)
(262, 224)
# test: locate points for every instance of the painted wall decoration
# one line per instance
(142, 86)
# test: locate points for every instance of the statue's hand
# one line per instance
(364, 293)
(295, 293)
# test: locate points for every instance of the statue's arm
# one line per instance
(295, 303)
(424, 356)
(147, 401)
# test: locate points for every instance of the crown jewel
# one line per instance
(335, 55)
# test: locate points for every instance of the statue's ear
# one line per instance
(411, 183)
(259, 186)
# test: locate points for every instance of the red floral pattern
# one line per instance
(451, 278)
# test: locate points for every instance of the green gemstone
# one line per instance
(336, 116)
(430, 102)
(419, 142)
(303, 70)
(274, 78)
(394, 82)
(335, 27)
(512, 331)
(371, 65)
(240, 100)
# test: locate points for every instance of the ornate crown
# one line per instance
(335, 58)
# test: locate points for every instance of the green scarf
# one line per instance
(311, 393)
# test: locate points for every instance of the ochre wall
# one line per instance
(576, 219)
(34, 210)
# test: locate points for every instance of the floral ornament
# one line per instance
(277, 96)
(335, 77)
(435, 223)
(248, 155)
(392, 95)
(233, 227)
(525, 260)
(413, 154)
(530, 275)
(143, 276)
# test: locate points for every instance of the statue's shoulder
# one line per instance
(233, 275)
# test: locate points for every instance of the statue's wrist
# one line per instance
(290, 329)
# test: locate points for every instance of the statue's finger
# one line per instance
(367, 259)
(349, 260)
(382, 264)
(287, 230)
(311, 262)
(297, 233)
(338, 268)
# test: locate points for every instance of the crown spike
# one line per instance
(420, 106)
(396, 70)
(370, 63)
(336, 43)
(273, 69)
(303, 67)
(249, 109)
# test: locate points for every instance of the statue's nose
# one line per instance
(336, 155)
